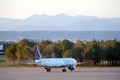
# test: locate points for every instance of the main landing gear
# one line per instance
(63, 70)
(48, 69)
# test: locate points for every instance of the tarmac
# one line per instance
(39, 73)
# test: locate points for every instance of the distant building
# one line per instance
(1, 49)
(3, 46)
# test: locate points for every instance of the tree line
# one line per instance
(93, 52)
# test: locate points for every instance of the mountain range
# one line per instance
(61, 22)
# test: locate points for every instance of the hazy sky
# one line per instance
(26, 8)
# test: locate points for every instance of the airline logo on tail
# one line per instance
(38, 55)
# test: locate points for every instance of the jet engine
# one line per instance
(72, 67)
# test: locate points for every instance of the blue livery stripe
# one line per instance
(38, 55)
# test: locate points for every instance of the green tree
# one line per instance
(48, 50)
(10, 53)
(67, 54)
(65, 45)
(43, 44)
(117, 59)
(51, 50)
(78, 49)
(111, 50)
(25, 50)
(92, 52)
(53, 55)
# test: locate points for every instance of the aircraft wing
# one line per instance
(28, 62)
(82, 63)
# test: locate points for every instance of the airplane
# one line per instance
(49, 63)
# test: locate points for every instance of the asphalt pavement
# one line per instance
(39, 73)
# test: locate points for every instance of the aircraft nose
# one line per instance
(75, 62)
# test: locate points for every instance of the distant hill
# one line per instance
(60, 22)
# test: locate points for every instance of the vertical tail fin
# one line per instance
(37, 52)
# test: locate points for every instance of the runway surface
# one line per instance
(38, 73)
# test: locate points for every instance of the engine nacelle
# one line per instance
(72, 67)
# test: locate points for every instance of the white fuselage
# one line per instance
(56, 62)
(49, 63)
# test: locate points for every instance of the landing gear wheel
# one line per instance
(64, 70)
(71, 69)
(48, 69)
